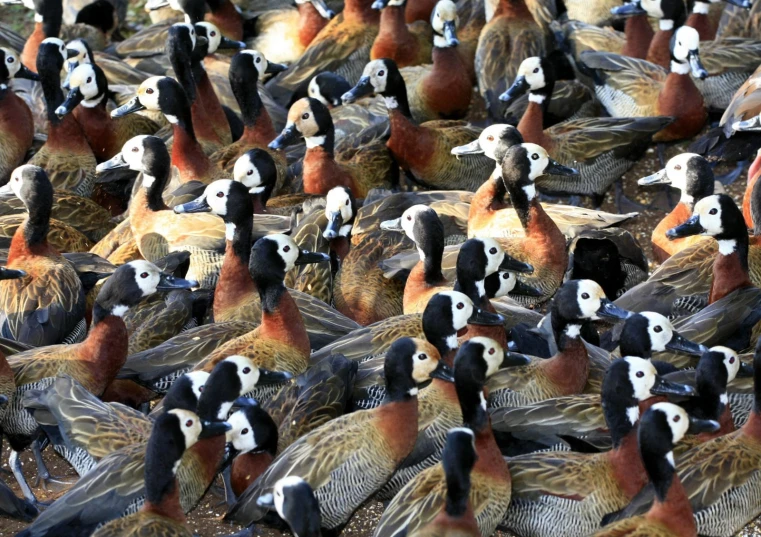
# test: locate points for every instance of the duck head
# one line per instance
(253, 431)
(192, 9)
(47, 12)
(716, 216)
(479, 258)
(717, 368)
(477, 359)
(32, 186)
(320, 6)
(328, 88)
(340, 210)
(689, 172)
(11, 67)
(130, 284)
(685, 54)
(215, 38)
(410, 362)
(249, 66)
(578, 301)
(535, 75)
(629, 9)
(162, 94)
(648, 332)
(186, 391)
(145, 154)
(494, 141)
(505, 282)
(310, 119)
(87, 85)
(230, 379)
(381, 77)
(422, 226)
(444, 21)
(256, 170)
(294, 501)
(78, 52)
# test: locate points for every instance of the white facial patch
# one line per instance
(190, 425)
(531, 70)
(191, 31)
(589, 297)
(148, 93)
(677, 418)
(538, 160)
(314, 91)
(57, 43)
(260, 62)
(444, 11)
(12, 62)
(642, 376)
(731, 361)
(247, 173)
(709, 209)
(241, 436)
(217, 195)
(197, 381)
(17, 179)
(489, 140)
(288, 250)
(132, 153)
(494, 255)
(213, 35)
(676, 172)
(462, 309)
(248, 373)
(507, 281)
(409, 217)
(686, 40)
(279, 492)
(377, 71)
(147, 276)
(338, 201)
(660, 330)
(83, 77)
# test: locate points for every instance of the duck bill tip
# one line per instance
(610, 312)
(698, 426)
(678, 343)
(515, 359)
(658, 178)
(210, 429)
(443, 372)
(199, 205)
(486, 318)
(392, 225)
(473, 148)
(267, 501)
(687, 229)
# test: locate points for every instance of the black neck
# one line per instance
(242, 240)
(155, 191)
(243, 82)
(49, 70)
(659, 471)
(52, 18)
(458, 492)
(270, 293)
(38, 224)
(521, 203)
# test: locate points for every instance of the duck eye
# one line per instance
(506, 276)
(149, 91)
(490, 138)
(460, 305)
(493, 250)
(422, 356)
(144, 275)
(213, 34)
(658, 329)
(258, 60)
(89, 79)
(676, 419)
(189, 423)
(409, 217)
(713, 211)
(286, 248)
(536, 70)
(200, 388)
(732, 360)
(305, 116)
(10, 60)
(535, 156)
(678, 167)
(346, 202)
(135, 149)
(381, 73)
(244, 431)
(640, 374)
(220, 194)
(585, 296)
(250, 172)
(246, 370)
(492, 350)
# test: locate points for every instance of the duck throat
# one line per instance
(310, 23)
(234, 277)
(168, 503)
(638, 34)
(513, 9)
(730, 269)
(281, 318)
(531, 125)
(628, 469)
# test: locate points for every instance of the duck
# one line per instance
(236, 296)
(16, 121)
(661, 427)
(423, 497)
(173, 433)
(456, 517)
(703, 488)
(359, 289)
(251, 444)
(546, 423)
(386, 435)
(158, 230)
(406, 44)
(567, 372)
(87, 99)
(284, 34)
(117, 71)
(507, 39)
(699, 19)
(421, 150)
(573, 491)
(342, 46)
(47, 306)
(166, 95)
(648, 93)
(37, 367)
(125, 492)
(294, 501)
(542, 245)
(259, 172)
(361, 164)
(66, 156)
(281, 340)
(443, 90)
(692, 175)
(245, 69)
(602, 149)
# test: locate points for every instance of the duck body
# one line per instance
(16, 120)
(405, 44)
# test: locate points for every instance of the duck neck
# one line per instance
(50, 79)
(360, 12)
(658, 51)
(234, 277)
(700, 20)
(431, 254)
(523, 199)
(627, 465)
(671, 507)
(513, 9)
(752, 198)
(638, 34)
(256, 119)
(458, 493)
(36, 227)
(168, 503)
(752, 427)
(392, 24)
(281, 318)
(187, 154)
(324, 142)
(531, 125)
(489, 197)
(398, 105)
(105, 349)
(154, 182)
(730, 269)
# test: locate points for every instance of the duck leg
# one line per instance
(228, 481)
(15, 464)
(730, 177)
(43, 474)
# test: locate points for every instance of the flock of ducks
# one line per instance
(313, 250)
